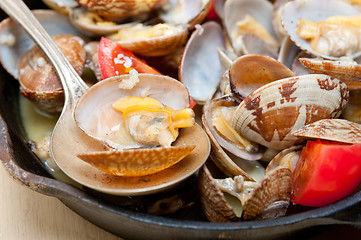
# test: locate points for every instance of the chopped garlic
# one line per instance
(130, 82)
(7, 39)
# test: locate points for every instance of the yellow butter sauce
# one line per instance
(37, 126)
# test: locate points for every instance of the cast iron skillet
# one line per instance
(106, 212)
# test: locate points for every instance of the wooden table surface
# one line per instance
(28, 215)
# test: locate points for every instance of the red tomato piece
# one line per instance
(212, 14)
(326, 172)
(115, 60)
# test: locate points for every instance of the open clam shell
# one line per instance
(287, 157)
(38, 79)
(185, 12)
(269, 114)
(232, 165)
(338, 130)
(169, 41)
(62, 6)
(16, 42)
(267, 199)
(136, 162)
(209, 108)
(200, 69)
(214, 204)
(116, 8)
(237, 10)
(91, 24)
(271, 197)
(95, 118)
(95, 115)
(314, 11)
(249, 72)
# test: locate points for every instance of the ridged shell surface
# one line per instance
(269, 114)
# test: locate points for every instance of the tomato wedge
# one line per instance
(326, 172)
(115, 60)
(212, 14)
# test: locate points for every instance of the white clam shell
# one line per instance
(185, 12)
(95, 115)
(236, 10)
(315, 11)
(76, 14)
(200, 69)
(339, 130)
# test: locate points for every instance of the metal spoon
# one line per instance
(68, 139)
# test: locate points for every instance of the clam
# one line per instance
(233, 199)
(232, 153)
(287, 157)
(92, 24)
(187, 13)
(160, 39)
(338, 130)
(334, 41)
(269, 114)
(289, 56)
(200, 70)
(139, 118)
(155, 40)
(62, 6)
(249, 27)
(39, 81)
(15, 42)
(217, 115)
(119, 8)
(249, 72)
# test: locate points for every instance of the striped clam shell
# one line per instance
(269, 114)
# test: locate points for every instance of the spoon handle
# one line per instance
(73, 85)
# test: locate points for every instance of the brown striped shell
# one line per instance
(272, 112)
(287, 157)
(271, 197)
(268, 199)
(249, 72)
(339, 130)
(215, 206)
(136, 162)
(38, 79)
(345, 70)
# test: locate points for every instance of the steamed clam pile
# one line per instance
(266, 77)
